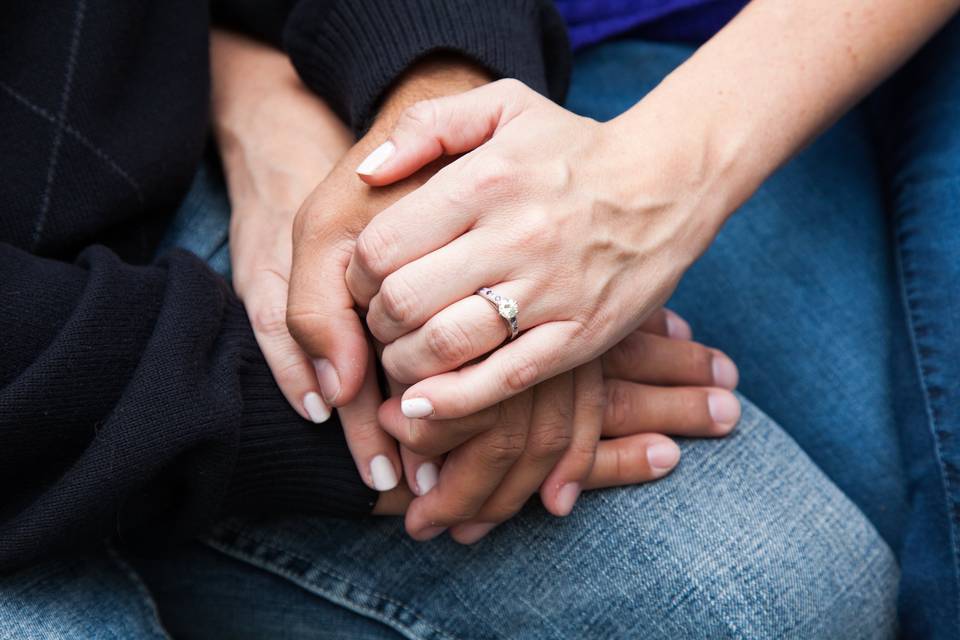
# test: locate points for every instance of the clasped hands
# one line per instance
(473, 426)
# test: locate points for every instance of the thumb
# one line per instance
(322, 319)
(450, 125)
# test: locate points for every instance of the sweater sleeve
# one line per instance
(136, 395)
(350, 51)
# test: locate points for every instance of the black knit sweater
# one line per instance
(133, 396)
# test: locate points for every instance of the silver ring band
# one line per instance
(508, 308)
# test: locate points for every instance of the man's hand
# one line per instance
(321, 314)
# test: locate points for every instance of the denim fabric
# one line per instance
(799, 288)
(96, 596)
(917, 121)
(746, 539)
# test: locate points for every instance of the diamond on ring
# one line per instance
(508, 308)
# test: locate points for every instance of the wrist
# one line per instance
(435, 76)
(695, 155)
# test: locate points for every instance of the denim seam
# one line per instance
(910, 307)
(314, 587)
(146, 600)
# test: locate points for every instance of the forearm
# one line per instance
(774, 78)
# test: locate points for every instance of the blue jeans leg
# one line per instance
(799, 288)
(746, 539)
(917, 123)
(94, 596)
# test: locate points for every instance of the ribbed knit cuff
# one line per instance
(286, 464)
(351, 51)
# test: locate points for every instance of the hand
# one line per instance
(546, 438)
(541, 213)
(321, 314)
(277, 141)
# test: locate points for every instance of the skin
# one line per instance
(277, 141)
(487, 465)
(590, 225)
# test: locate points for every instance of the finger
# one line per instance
(374, 451)
(420, 471)
(667, 323)
(464, 331)
(416, 224)
(289, 365)
(321, 318)
(632, 460)
(541, 353)
(415, 292)
(432, 438)
(680, 411)
(443, 126)
(652, 359)
(551, 431)
(562, 487)
(471, 473)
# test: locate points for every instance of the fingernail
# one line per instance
(384, 475)
(470, 533)
(430, 533)
(328, 379)
(416, 408)
(677, 327)
(725, 373)
(426, 477)
(316, 408)
(376, 158)
(724, 408)
(663, 456)
(567, 497)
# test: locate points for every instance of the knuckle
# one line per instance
(373, 251)
(421, 114)
(448, 343)
(493, 175)
(398, 300)
(521, 373)
(303, 323)
(549, 443)
(417, 437)
(270, 320)
(503, 449)
(619, 404)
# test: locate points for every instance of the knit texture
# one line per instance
(133, 397)
(350, 51)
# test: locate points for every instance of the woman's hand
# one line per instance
(547, 439)
(547, 210)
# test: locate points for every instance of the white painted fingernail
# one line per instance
(316, 408)
(427, 475)
(416, 408)
(376, 158)
(384, 475)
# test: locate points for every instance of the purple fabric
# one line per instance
(592, 21)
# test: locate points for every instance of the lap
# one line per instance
(747, 538)
(800, 289)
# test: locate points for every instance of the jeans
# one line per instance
(748, 538)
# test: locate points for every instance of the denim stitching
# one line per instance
(61, 117)
(909, 300)
(145, 599)
(311, 585)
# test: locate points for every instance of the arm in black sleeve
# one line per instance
(351, 51)
(134, 395)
